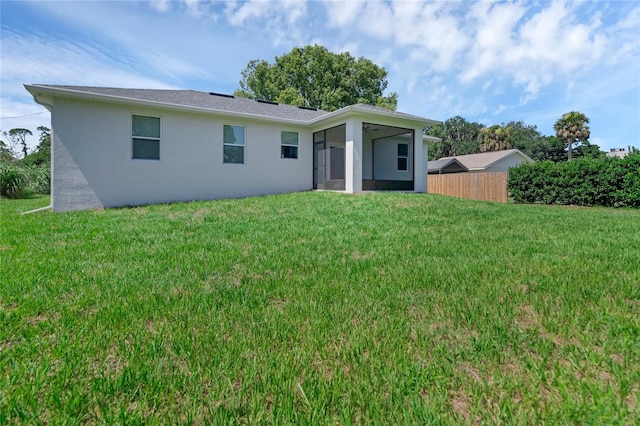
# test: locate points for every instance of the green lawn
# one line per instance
(320, 308)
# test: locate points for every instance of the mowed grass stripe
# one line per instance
(318, 308)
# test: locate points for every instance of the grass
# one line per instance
(320, 308)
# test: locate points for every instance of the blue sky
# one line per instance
(490, 62)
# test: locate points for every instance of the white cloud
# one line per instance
(35, 59)
(24, 115)
(443, 58)
(532, 47)
(237, 13)
(494, 29)
(161, 5)
(343, 14)
(38, 59)
(280, 20)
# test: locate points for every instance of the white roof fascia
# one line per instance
(358, 110)
(36, 90)
(431, 138)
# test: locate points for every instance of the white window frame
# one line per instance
(159, 139)
(406, 157)
(297, 145)
(244, 144)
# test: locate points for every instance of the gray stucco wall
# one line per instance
(93, 167)
(385, 158)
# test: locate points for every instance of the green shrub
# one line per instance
(13, 181)
(18, 181)
(610, 182)
(38, 178)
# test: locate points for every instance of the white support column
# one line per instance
(420, 162)
(353, 156)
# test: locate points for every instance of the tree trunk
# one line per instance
(569, 154)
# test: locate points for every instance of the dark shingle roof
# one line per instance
(204, 100)
(218, 103)
(485, 159)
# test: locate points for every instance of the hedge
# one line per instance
(609, 182)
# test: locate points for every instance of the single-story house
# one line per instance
(117, 147)
(493, 161)
(442, 166)
(620, 153)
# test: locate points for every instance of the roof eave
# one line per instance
(356, 109)
(431, 138)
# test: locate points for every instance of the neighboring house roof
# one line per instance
(450, 165)
(485, 160)
(213, 102)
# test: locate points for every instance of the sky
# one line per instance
(489, 62)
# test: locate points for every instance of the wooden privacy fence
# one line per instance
(489, 186)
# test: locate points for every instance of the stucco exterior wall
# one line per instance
(94, 167)
(385, 159)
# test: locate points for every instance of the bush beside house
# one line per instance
(19, 181)
(609, 182)
(22, 177)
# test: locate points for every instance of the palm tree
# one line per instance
(495, 138)
(572, 128)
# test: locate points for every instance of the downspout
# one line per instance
(41, 209)
(46, 102)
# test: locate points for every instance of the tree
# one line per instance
(572, 128)
(42, 153)
(528, 139)
(7, 150)
(311, 76)
(546, 148)
(45, 137)
(19, 138)
(495, 138)
(589, 150)
(459, 137)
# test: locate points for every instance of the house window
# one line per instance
(403, 157)
(145, 136)
(234, 143)
(289, 145)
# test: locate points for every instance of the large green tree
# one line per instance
(312, 76)
(572, 128)
(459, 137)
(528, 139)
(495, 138)
(546, 148)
